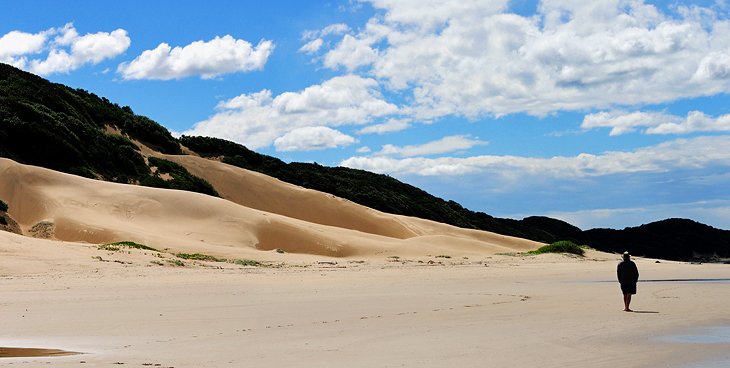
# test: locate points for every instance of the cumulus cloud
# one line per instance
(207, 59)
(475, 57)
(351, 53)
(673, 155)
(67, 50)
(444, 145)
(258, 119)
(15, 45)
(311, 139)
(622, 122)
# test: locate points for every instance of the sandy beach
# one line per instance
(305, 279)
(497, 311)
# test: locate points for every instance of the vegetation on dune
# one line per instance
(128, 244)
(199, 257)
(247, 262)
(180, 178)
(563, 246)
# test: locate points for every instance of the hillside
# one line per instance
(77, 132)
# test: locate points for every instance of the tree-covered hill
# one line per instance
(75, 131)
(680, 239)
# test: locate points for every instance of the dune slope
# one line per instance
(258, 214)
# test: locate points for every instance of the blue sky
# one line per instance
(608, 113)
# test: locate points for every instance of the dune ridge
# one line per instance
(257, 213)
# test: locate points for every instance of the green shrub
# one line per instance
(182, 179)
(563, 246)
(3, 206)
(247, 262)
(199, 257)
(128, 244)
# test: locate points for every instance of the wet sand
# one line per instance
(32, 352)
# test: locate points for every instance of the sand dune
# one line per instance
(258, 214)
(258, 191)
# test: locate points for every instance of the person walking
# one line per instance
(628, 275)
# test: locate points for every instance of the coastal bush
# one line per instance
(563, 246)
(247, 262)
(3, 206)
(182, 179)
(198, 257)
(117, 245)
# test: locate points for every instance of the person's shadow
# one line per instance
(641, 311)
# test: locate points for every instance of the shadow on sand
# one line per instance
(643, 311)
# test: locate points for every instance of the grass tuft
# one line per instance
(176, 262)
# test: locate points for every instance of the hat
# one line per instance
(627, 255)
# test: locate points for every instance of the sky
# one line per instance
(602, 113)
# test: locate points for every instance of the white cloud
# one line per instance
(315, 39)
(87, 49)
(390, 126)
(351, 53)
(16, 44)
(312, 46)
(622, 122)
(258, 119)
(67, 51)
(444, 145)
(332, 29)
(677, 154)
(474, 57)
(221, 55)
(312, 138)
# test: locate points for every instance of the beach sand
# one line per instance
(494, 311)
(349, 286)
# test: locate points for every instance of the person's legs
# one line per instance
(627, 301)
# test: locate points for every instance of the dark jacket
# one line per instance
(627, 272)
